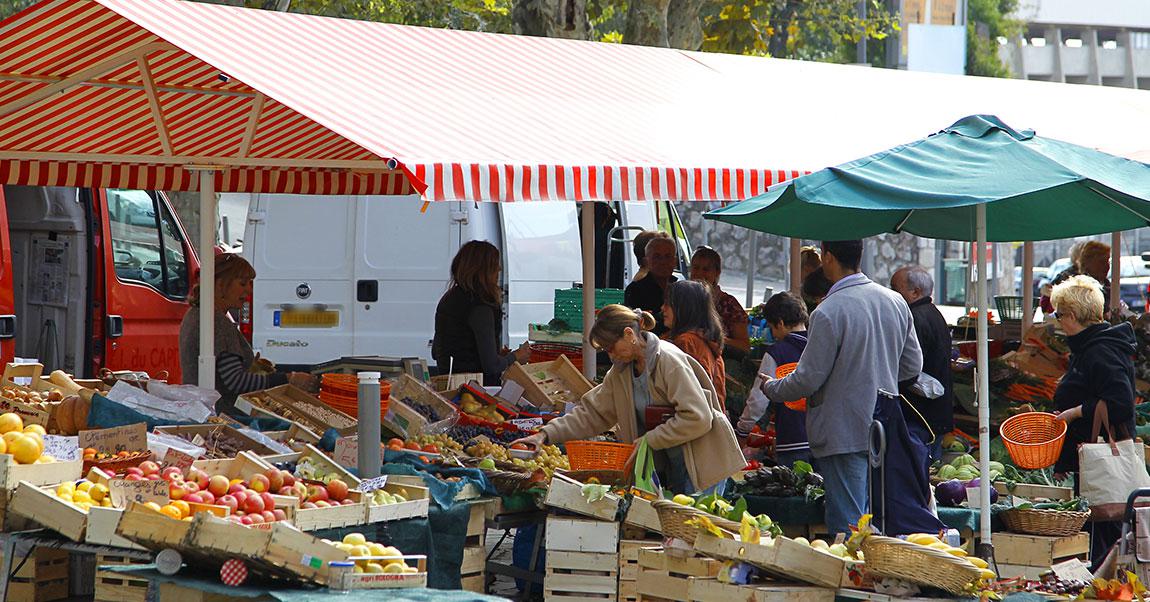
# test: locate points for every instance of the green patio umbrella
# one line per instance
(978, 180)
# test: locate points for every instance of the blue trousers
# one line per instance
(845, 486)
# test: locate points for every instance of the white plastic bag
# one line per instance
(160, 443)
(205, 397)
(157, 407)
(267, 442)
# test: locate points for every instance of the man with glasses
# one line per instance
(661, 255)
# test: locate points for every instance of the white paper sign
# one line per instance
(529, 424)
(346, 452)
(64, 449)
(511, 392)
(1073, 570)
(370, 485)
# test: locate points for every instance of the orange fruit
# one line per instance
(183, 507)
(35, 428)
(3, 446)
(172, 511)
(90, 451)
(152, 505)
(11, 436)
(10, 422)
(38, 439)
(25, 449)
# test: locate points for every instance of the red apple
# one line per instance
(247, 520)
(218, 484)
(253, 504)
(235, 519)
(285, 490)
(346, 502)
(153, 477)
(288, 478)
(337, 490)
(269, 501)
(176, 492)
(279, 514)
(234, 487)
(149, 467)
(240, 496)
(259, 483)
(275, 479)
(208, 497)
(199, 477)
(300, 490)
(230, 501)
(269, 516)
(136, 470)
(322, 504)
(316, 493)
(172, 473)
(194, 497)
(257, 519)
(190, 487)
(308, 506)
(133, 477)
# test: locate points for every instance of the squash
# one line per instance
(64, 382)
(64, 415)
(81, 408)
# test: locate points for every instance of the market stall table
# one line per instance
(19, 544)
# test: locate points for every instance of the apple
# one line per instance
(235, 519)
(149, 467)
(176, 492)
(247, 520)
(230, 501)
(300, 490)
(260, 483)
(346, 502)
(316, 493)
(153, 477)
(288, 478)
(285, 490)
(253, 504)
(269, 501)
(190, 487)
(275, 479)
(269, 516)
(171, 473)
(234, 487)
(279, 514)
(134, 477)
(136, 470)
(308, 506)
(257, 519)
(337, 490)
(208, 497)
(194, 498)
(218, 484)
(322, 504)
(240, 496)
(199, 477)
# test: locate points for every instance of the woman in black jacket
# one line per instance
(469, 318)
(1101, 371)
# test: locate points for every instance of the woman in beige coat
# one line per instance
(695, 447)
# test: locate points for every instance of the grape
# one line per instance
(423, 409)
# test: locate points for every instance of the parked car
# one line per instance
(1052, 272)
(1038, 274)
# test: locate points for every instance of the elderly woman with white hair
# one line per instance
(1100, 378)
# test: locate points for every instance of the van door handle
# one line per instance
(7, 327)
(367, 291)
(115, 326)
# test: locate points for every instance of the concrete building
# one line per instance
(1100, 42)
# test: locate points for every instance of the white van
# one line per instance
(362, 275)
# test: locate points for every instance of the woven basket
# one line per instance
(890, 557)
(673, 518)
(117, 466)
(1055, 523)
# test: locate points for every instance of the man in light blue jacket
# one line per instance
(861, 343)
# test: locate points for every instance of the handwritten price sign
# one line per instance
(132, 437)
(123, 491)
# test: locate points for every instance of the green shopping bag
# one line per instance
(646, 479)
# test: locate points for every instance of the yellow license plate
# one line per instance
(307, 319)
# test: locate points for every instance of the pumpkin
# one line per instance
(65, 415)
(81, 408)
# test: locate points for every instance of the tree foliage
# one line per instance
(818, 30)
(11, 7)
(982, 50)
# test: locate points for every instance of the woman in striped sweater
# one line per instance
(238, 369)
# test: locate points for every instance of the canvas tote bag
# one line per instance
(1109, 471)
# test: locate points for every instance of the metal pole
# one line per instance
(207, 372)
(1027, 287)
(860, 51)
(368, 428)
(588, 288)
(752, 265)
(983, 384)
(796, 263)
(1115, 270)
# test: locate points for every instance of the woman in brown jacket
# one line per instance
(694, 326)
(695, 447)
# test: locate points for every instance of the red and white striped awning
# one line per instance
(141, 93)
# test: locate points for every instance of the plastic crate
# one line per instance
(1010, 307)
(569, 303)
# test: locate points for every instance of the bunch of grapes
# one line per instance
(442, 441)
(483, 447)
(424, 410)
(549, 459)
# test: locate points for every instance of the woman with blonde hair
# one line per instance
(469, 317)
(656, 392)
(238, 369)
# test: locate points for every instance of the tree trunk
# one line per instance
(684, 28)
(647, 23)
(551, 18)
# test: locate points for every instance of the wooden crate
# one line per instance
(403, 416)
(244, 466)
(51, 473)
(295, 436)
(328, 465)
(42, 578)
(117, 587)
(629, 558)
(550, 385)
(392, 581)
(474, 566)
(573, 576)
(662, 585)
(785, 559)
(452, 382)
(10, 521)
(477, 521)
(333, 517)
(710, 590)
(641, 514)
(566, 493)
(294, 404)
(190, 431)
(651, 558)
(1039, 551)
(101, 529)
(1033, 492)
(42, 507)
(581, 535)
(417, 504)
(474, 583)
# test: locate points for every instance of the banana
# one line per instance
(959, 552)
(987, 574)
(922, 539)
(976, 561)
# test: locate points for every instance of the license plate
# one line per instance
(306, 319)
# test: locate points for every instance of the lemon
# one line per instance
(84, 486)
(373, 567)
(394, 568)
(683, 500)
(355, 539)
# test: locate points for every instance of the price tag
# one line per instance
(132, 438)
(198, 440)
(529, 424)
(346, 452)
(28, 413)
(372, 484)
(1073, 570)
(179, 459)
(123, 491)
(64, 449)
(511, 392)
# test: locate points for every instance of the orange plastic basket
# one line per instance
(801, 404)
(341, 391)
(598, 455)
(546, 352)
(1033, 439)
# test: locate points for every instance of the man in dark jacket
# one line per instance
(915, 285)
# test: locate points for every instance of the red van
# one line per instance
(92, 278)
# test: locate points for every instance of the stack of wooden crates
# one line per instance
(1019, 554)
(42, 577)
(473, 570)
(117, 587)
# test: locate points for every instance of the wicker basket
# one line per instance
(115, 466)
(1055, 523)
(507, 482)
(890, 557)
(673, 518)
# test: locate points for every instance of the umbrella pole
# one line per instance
(588, 288)
(796, 266)
(985, 548)
(1027, 287)
(207, 372)
(1115, 271)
